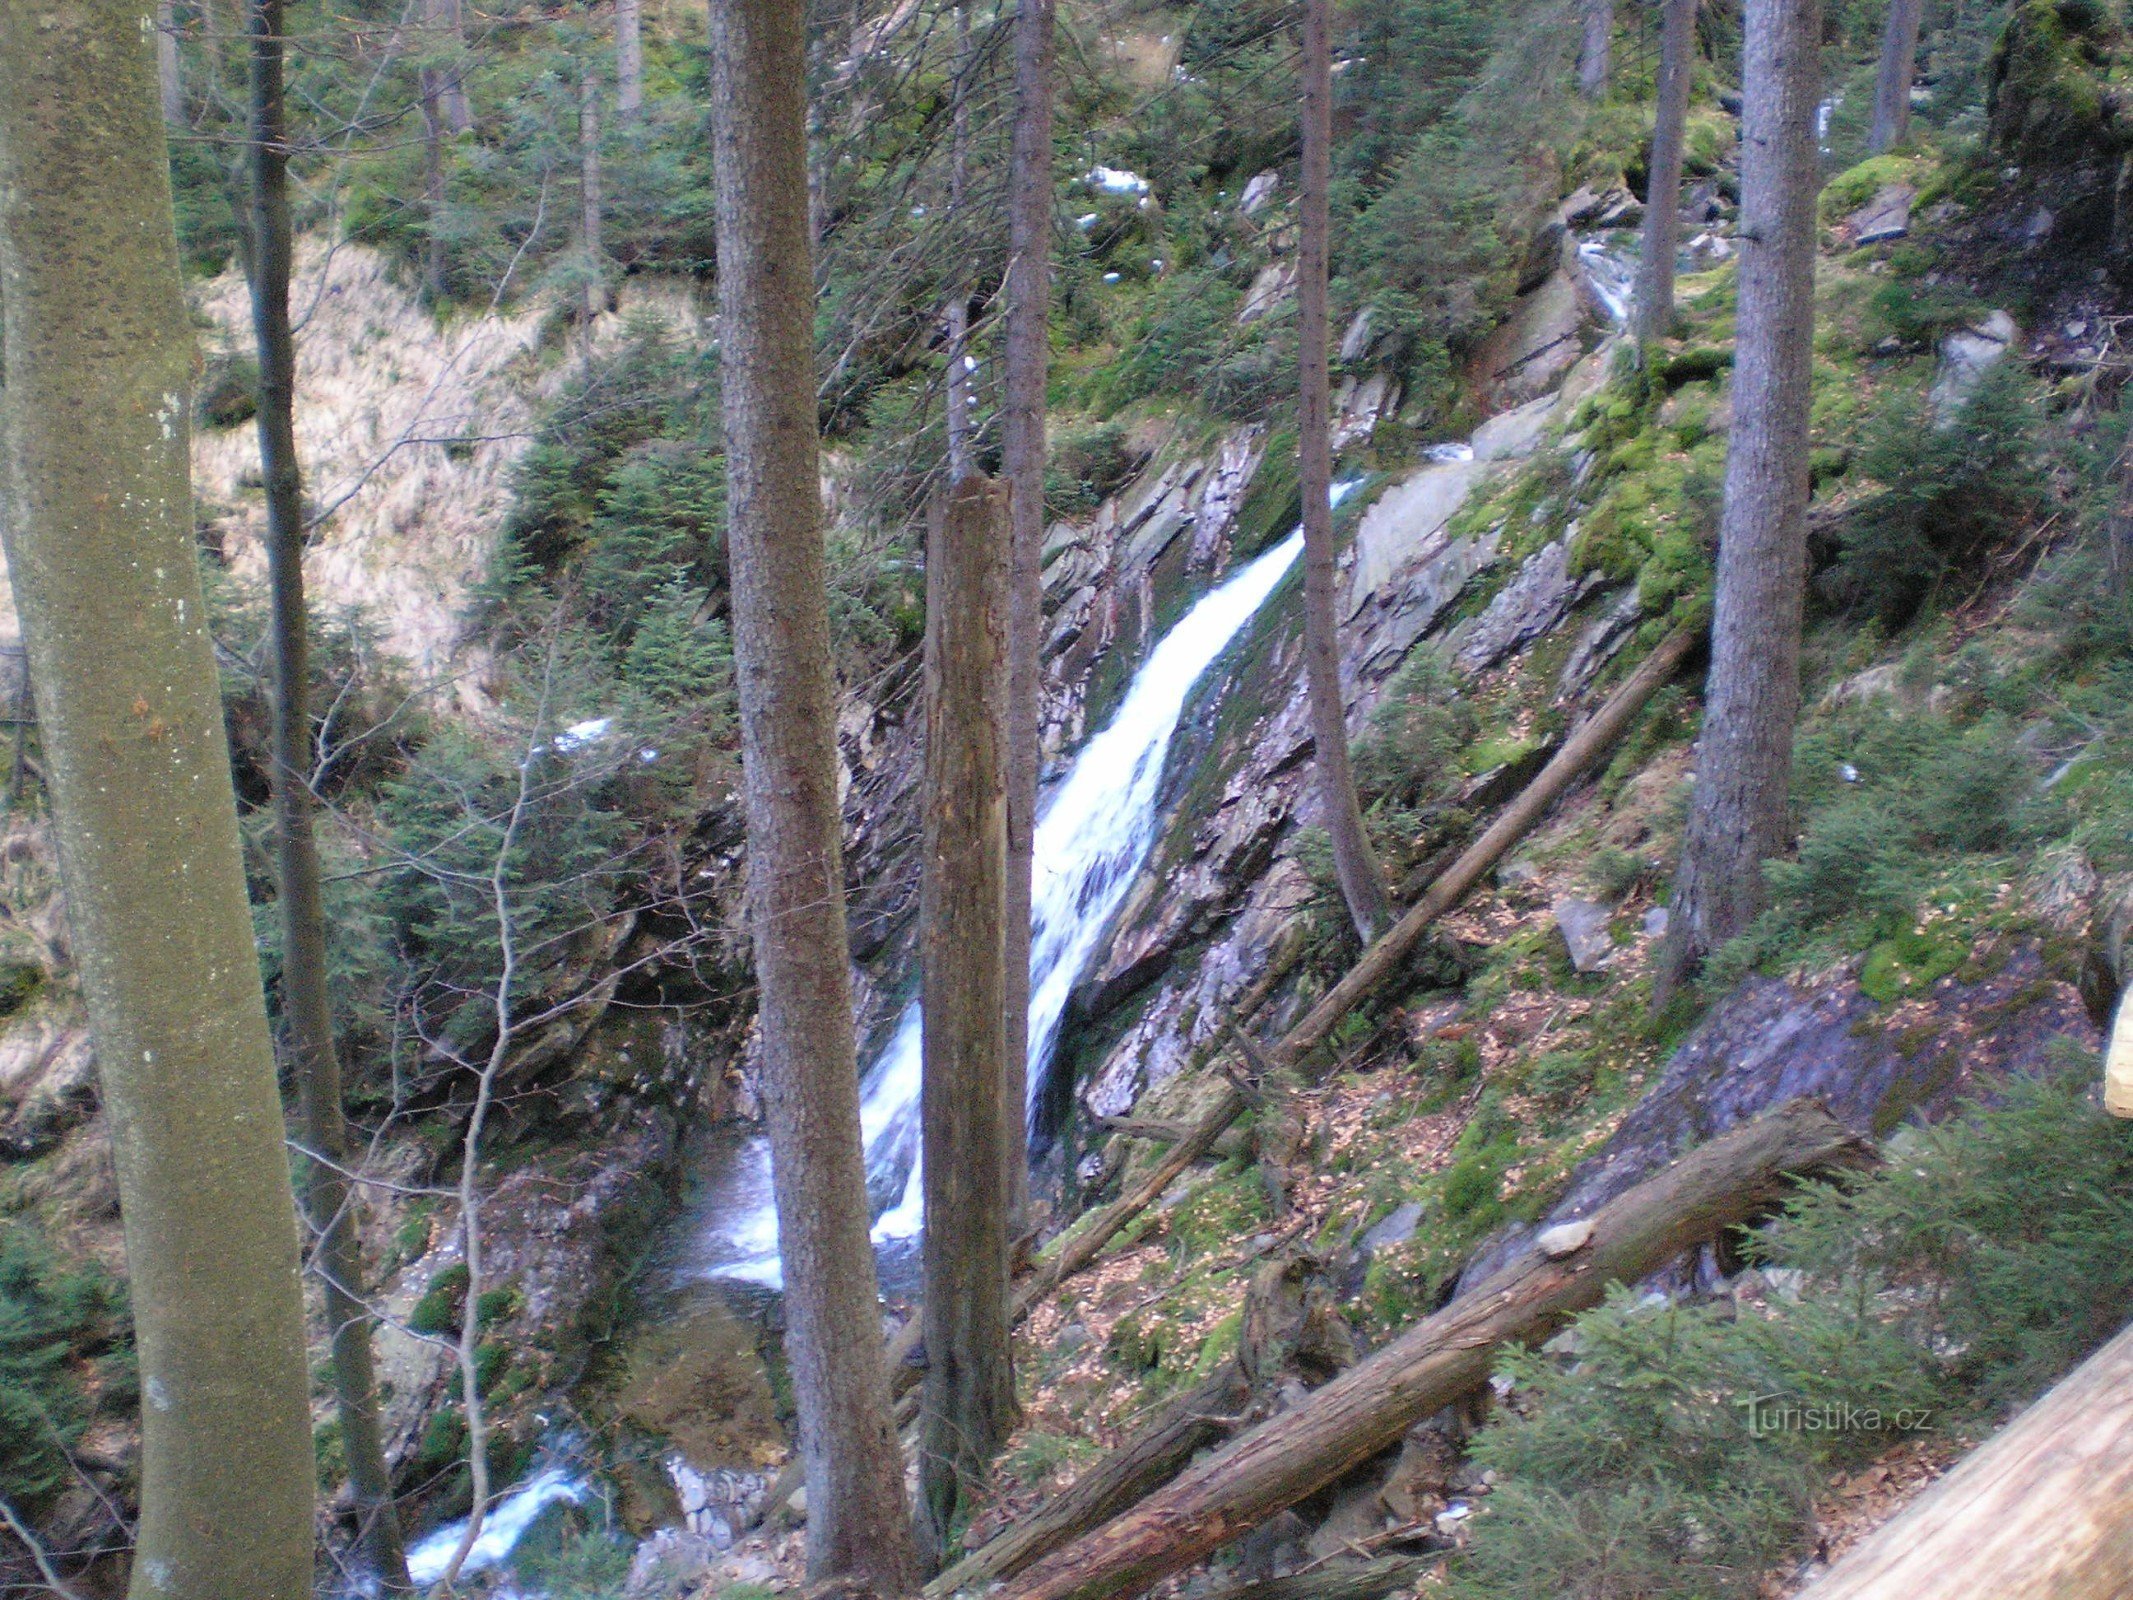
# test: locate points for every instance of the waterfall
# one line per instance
(1095, 833)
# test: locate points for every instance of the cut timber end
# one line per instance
(2118, 1064)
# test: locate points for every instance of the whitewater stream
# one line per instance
(1096, 831)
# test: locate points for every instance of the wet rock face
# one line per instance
(1875, 1066)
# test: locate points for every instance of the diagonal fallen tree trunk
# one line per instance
(1446, 1356)
(2043, 1511)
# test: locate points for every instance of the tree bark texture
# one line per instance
(589, 203)
(1738, 814)
(98, 358)
(2042, 1511)
(449, 18)
(957, 314)
(1596, 52)
(857, 1521)
(1892, 84)
(1368, 1407)
(969, 1402)
(629, 59)
(1654, 309)
(307, 1006)
(1026, 361)
(1362, 881)
(429, 83)
(170, 77)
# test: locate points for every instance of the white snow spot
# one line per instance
(580, 734)
(1116, 180)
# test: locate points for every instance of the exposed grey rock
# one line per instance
(1355, 343)
(1275, 283)
(1596, 646)
(1426, 595)
(1514, 433)
(1584, 926)
(1529, 605)
(1360, 404)
(1965, 358)
(1400, 522)
(1886, 216)
(1259, 191)
(1655, 922)
(1533, 347)
(1397, 1228)
(671, 1562)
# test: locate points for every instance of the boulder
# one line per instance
(672, 1562)
(1584, 925)
(1966, 357)
(1886, 216)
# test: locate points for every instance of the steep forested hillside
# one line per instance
(1264, 1151)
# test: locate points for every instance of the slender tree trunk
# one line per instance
(169, 77)
(1662, 197)
(430, 84)
(452, 87)
(1362, 880)
(589, 192)
(629, 60)
(1892, 85)
(958, 312)
(969, 1402)
(1596, 53)
(1022, 459)
(305, 1001)
(857, 1521)
(98, 357)
(1738, 815)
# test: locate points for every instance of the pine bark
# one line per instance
(957, 314)
(1362, 881)
(2045, 1507)
(968, 1406)
(857, 1520)
(589, 198)
(450, 19)
(429, 83)
(306, 1004)
(1596, 52)
(1892, 84)
(1662, 197)
(1738, 816)
(98, 357)
(1022, 459)
(170, 77)
(629, 59)
(1336, 1428)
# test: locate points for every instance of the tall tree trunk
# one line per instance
(629, 60)
(450, 17)
(969, 1401)
(1662, 197)
(1738, 815)
(429, 83)
(1596, 53)
(305, 1000)
(1022, 458)
(1892, 85)
(98, 357)
(170, 78)
(957, 315)
(857, 1521)
(1362, 880)
(589, 191)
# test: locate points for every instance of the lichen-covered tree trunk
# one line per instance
(98, 358)
(857, 1521)
(1596, 51)
(1662, 207)
(1362, 881)
(968, 1406)
(589, 197)
(1737, 817)
(1022, 449)
(957, 315)
(1892, 84)
(629, 59)
(306, 1004)
(170, 77)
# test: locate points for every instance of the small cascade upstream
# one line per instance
(1095, 833)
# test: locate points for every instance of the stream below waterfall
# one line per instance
(1097, 827)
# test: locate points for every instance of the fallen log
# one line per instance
(1580, 750)
(2042, 1511)
(1342, 1580)
(1292, 1328)
(1369, 1407)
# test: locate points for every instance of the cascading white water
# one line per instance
(1095, 832)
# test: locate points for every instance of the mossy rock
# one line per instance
(1909, 964)
(2049, 98)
